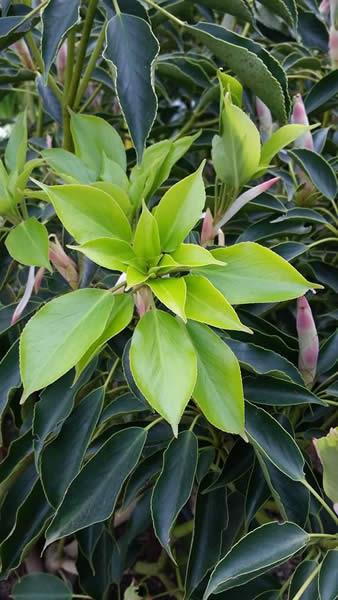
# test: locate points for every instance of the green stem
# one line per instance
(153, 423)
(90, 68)
(323, 241)
(91, 98)
(111, 373)
(166, 13)
(321, 501)
(307, 583)
(35, 52)
(67, 136)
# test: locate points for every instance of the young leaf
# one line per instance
(207, 305)
(118, 194)
(16, 149)
(279, 139)
(28, 243)
(254, 273)
(146, 241)
(276, 542)
(180, 209)
(94, 137)
(67, 164)
(192, 255)
(110, 253)
(58, 335)
(218, 390)
(232, 85)
(163, 364)
(92, 495)
(173, 487)
(172, 293)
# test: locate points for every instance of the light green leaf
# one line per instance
(110, 253)
(180, 209)
(255, 274)
(163, 364)
(16, 149)
(135, 276)
(192, 255)
(207, 305)
(28, 243)
(112, 172)
(146, 241)
(119, 194)
(172, 293)
(327, 449)
(236, 151)
(92, 137)
(279, 139)
(66, 163)
(58, 335)
(218, 390)
(232, 85)
(88, 213)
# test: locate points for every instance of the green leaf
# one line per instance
(254, 66)
(73, 323)
(108, 252)
(236, 151)
(192, 255)
(28, 243)
(92, 495)
(146, 241)
(269, 391)
(67, 164)
(279, 139)
(230, 84)
(318, 170)
(285, 9)
(300, 576)
(62, 458)
(131, 42)
(327, 450)
(327, 585)
(16, 149)
(172, 293)
(15, 498)
(9, 376)
(163, 364)
(274, 442)
(93, 137)
(322, 91)
(41, 586)
(218, 390)
(118, 194)
(180, 209)
(254, 273)
(276, 542)
(112, 172)
(207, 305)
(238, 8)
(173, 487)
(88, 213)
(58, 17)
(19, 455)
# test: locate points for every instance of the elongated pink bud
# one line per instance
(333, 47)
(244, 198)
(26, 296)
(61, 62)
(307, 340)
(208, 231)
(22, 51)
(265, 119)
(299, 117)
(143, 300)
(38, 279)
(324, 7)
(63, 263)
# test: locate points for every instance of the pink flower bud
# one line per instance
(324, 7)
(38, 279)
(299, 117)
(26, 296)
(333, 47)
(22, 51)
(244, 198)
(63, 263)
(208, 231)
(143, 300)
(61, 62)
(307, 340)
(264, 119)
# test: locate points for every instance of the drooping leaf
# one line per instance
(50, 102)
(15, 498)
(163, 364)
(28, 243)
(270, 391)
(130, 43)
(73, 322)
(41, 586)
(173, 488)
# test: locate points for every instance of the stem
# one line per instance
(116, 6)
(111, 373)
(91, 98)
(321, 500)
(153, 423)
(90, 68)
(166, 13)
(67, 136)
(307, 583)
(34, 50)
(329, 239)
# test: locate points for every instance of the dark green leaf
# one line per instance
(265, 390)
(299, 577)
(327, 585)
(318, 169)
(14, 499)
(41, 586)
(328, 354)
(97, 580)
(58, 17)
(9, 375)
(19, 454)
(238, 8)
(325, 89)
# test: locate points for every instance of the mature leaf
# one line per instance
(276, 542)
(9, 375)
(18, 456)
(67, 164)
(73, 322)
(327, 585)
(180, 209)
(192, 255)
(41, 586)
(131, 43)
(58, 18)
(92, 495)
(50, 103)
(287, 9)
(172, 293)
(300, 576)
(163, 364)
(16, 149)
(14, 499)
(318, 169)
(238, 8)
(255, 274)
(325, 89)
(28, 243)
(274, 392)
(218, 390)
(173, 488)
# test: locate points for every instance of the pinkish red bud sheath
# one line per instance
(333, 47)
(38, 279)
(63, 263)
(299, 117)
(61, 62)
(208, 231)
(26, 297)
(307, 340)
(244, 198)
(143, 300)
(265, 119)
(324, 7)
(22, 51)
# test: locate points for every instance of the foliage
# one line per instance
(168, 391)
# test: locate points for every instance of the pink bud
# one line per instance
(244, 198)
(61, 62)
(26, 297)
(49, 141)
(208, 231)
(299, 117)
(38, 279)
(22, 51)
(265, 119)
(63, 263)
(143, 300)
(307, 340)
(333, 47)
(324, 7)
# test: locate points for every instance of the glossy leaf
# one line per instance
(318, 169)
(172, 293)
(111, 253)
(67, 164)
(74, 321)
(327, 585)
(270, 391)
(58, 17)
(300, 576)
(16, 149)
(9, 375)
(240, 9)
(322, 91)
(28, 243)
(173, 488)
(146, 242)
(192, 255)
(92, 495)
(41, 586)
(279, 139)
(163, 364)
(218, 390)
